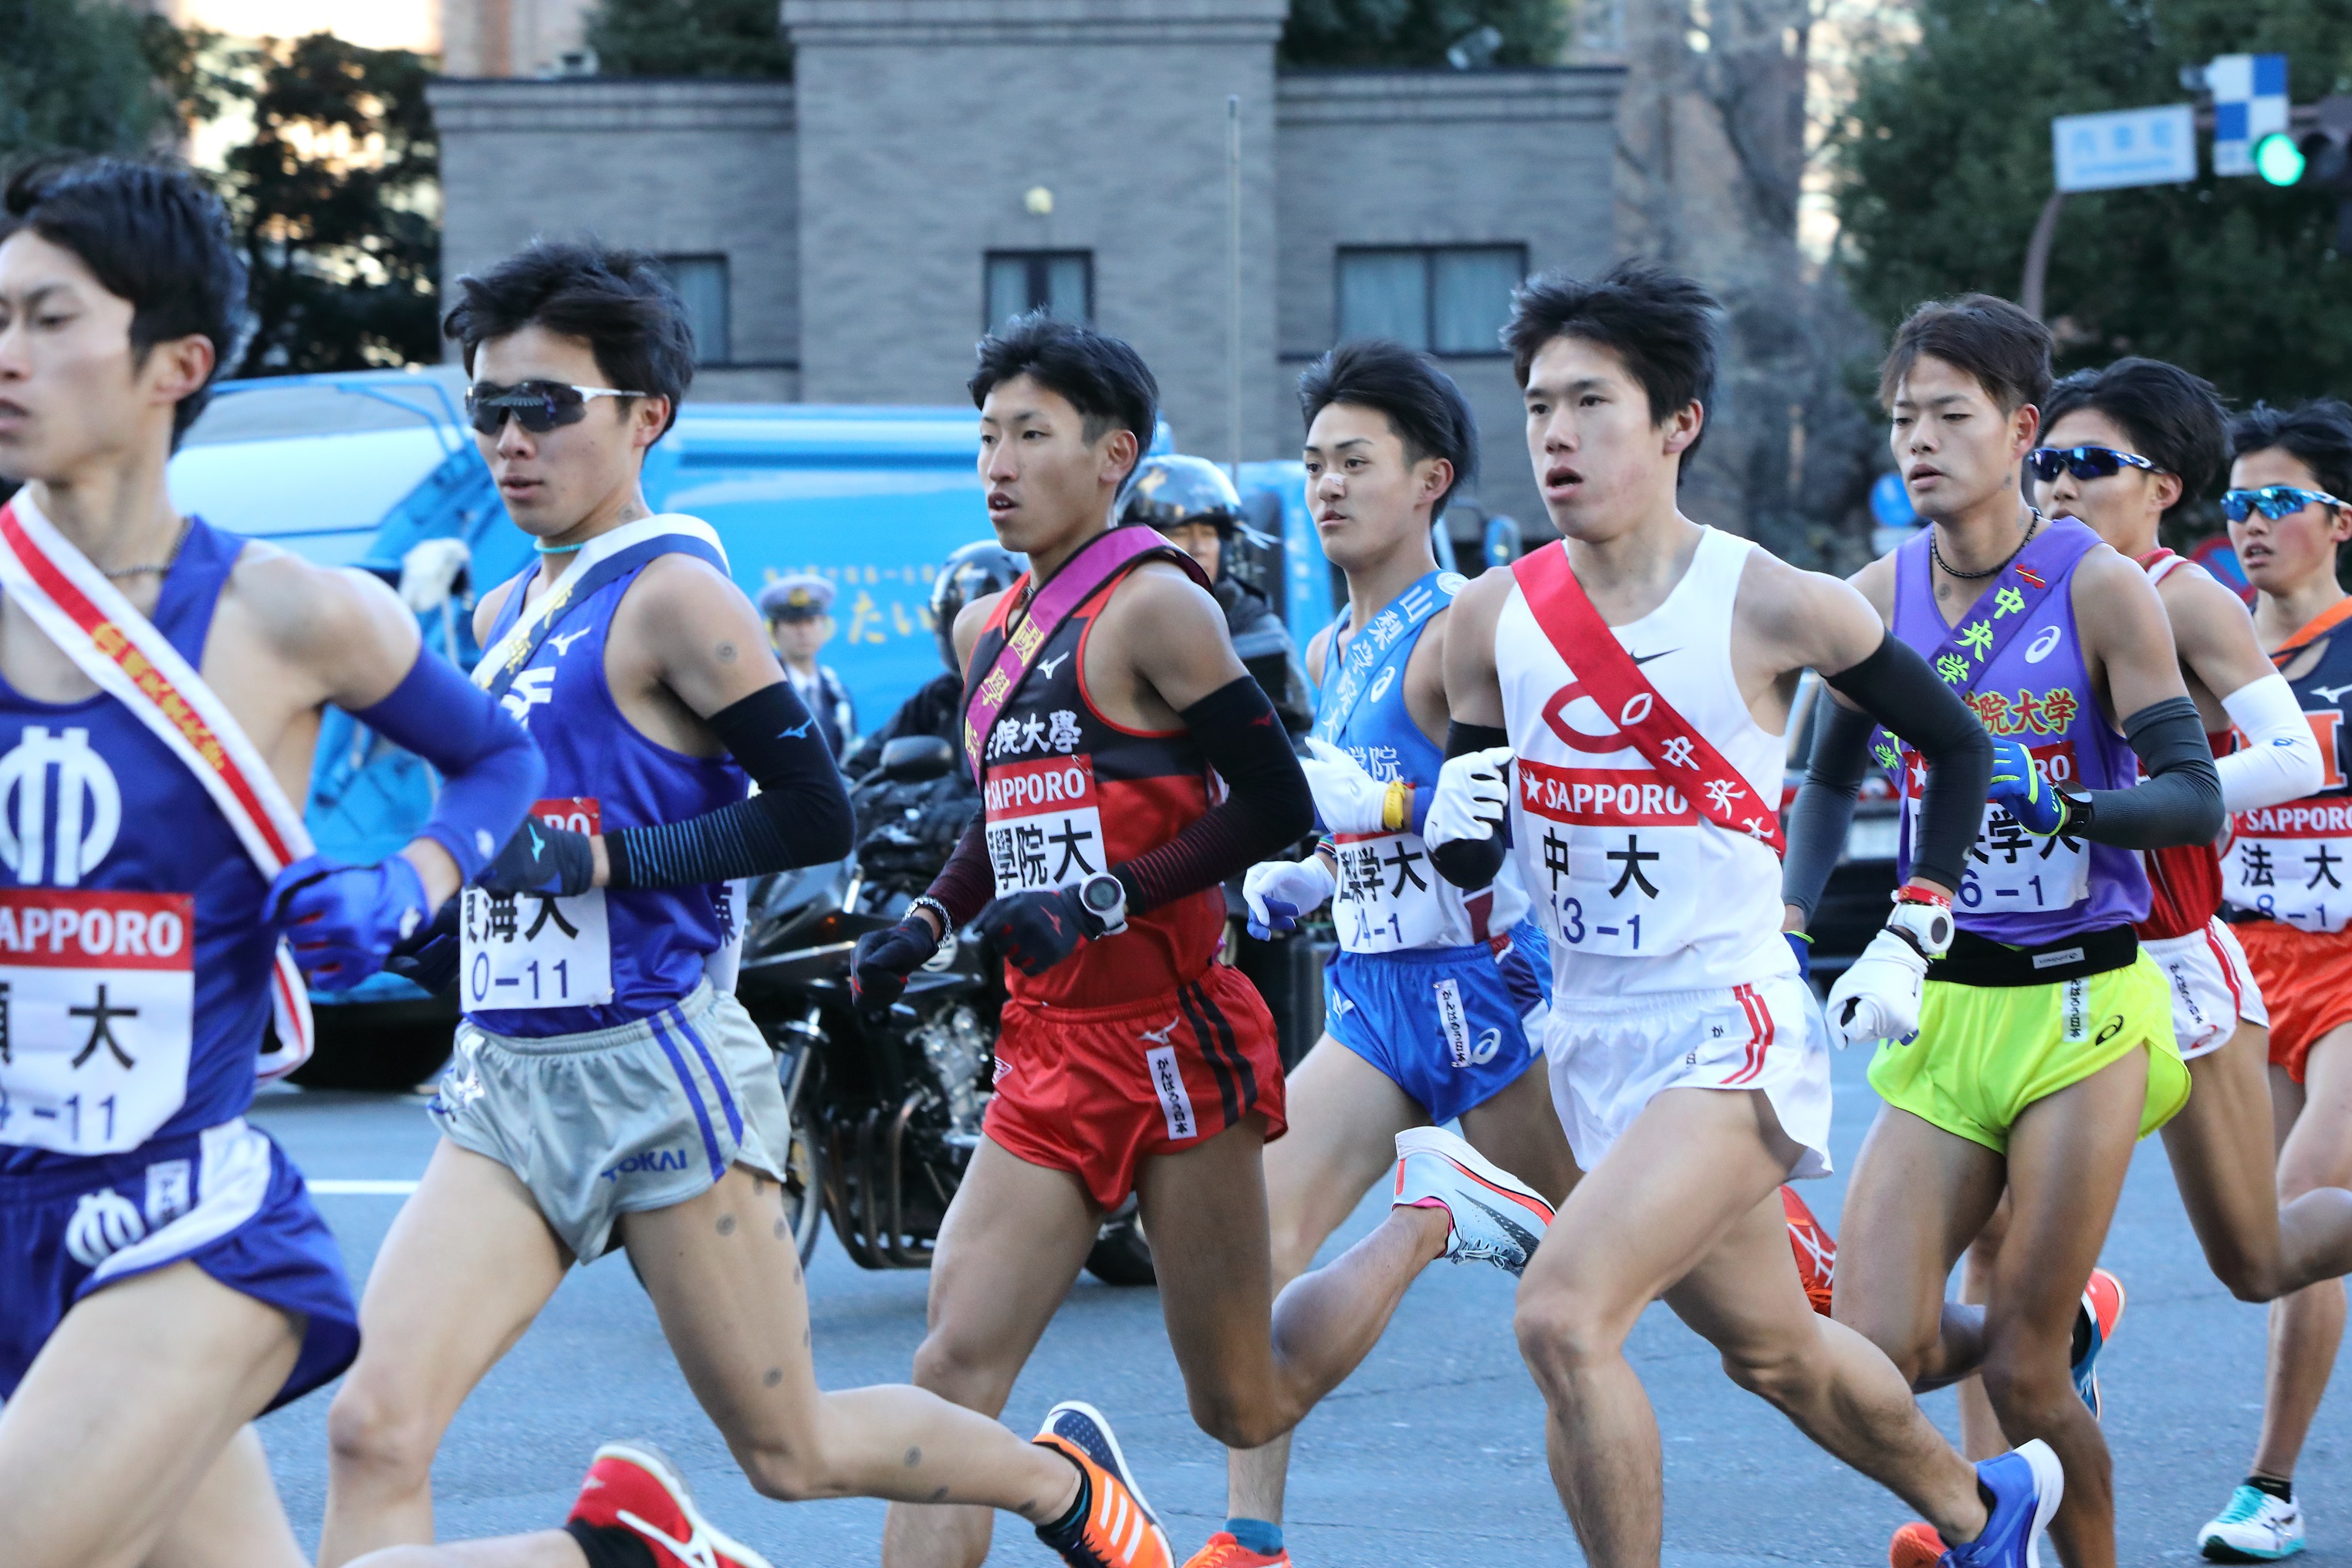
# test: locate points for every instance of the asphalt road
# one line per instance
(1433, 1454)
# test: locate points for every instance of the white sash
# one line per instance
(513, 647)
(110, 642)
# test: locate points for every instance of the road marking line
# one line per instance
(361, 1189)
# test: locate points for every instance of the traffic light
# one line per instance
(2317, 159)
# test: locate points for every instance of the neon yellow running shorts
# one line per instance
(1984, 1053)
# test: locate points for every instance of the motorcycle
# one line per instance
(886, 1111)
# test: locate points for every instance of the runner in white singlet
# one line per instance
(1643, 809)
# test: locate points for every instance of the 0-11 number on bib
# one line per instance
(522, 950)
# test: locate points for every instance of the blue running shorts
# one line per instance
(1449, 1026)
(226, 1199)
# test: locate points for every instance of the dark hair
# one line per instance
(1100, 375)
(1660, 323)
(619, 302)
(2006, 349)
(149, 234)
(2318, 435)
(2171, 418)
(1421, 403)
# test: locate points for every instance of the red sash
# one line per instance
(1646, 720)
(1102, 558)
(110, 642)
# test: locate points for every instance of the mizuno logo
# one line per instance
(1048, 666)
(1160, 1037)
(2330, 693)
(564, 640)
(537, 843)
(796, 731)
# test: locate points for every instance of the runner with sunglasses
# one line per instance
(607, 1088)
(2044, 1045)
(2287, 876)
(164, 1278)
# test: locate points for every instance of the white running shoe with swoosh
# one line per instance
(1494, 1216)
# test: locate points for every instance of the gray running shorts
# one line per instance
(616, 1121)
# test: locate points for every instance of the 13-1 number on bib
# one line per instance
(522, 950)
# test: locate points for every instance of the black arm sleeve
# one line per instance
(1895, 687)
(1267, 807)
(800, 818)
(2180, 800)
(967, 881)
(1824, 804)
(1471, 863)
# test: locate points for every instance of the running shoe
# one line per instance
(1815, 1248)
(2255, 1528)
(1494, 1217)
(1223, 1552)
(2026, 1484)
(1120, 1530)
(634, 1486)
(1916, 1545)
(2102, 1310)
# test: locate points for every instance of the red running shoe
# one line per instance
(1223, 1552)
(634, 1486)
(1916, 1545)
(1816, 1251)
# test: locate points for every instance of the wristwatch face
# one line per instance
(1103, 894)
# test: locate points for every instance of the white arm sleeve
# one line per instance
(2280, 761)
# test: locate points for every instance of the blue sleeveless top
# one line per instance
(660, 936)
(91, 772)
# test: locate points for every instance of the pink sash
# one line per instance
(110, 642)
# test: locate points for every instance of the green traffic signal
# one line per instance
(2278, 160)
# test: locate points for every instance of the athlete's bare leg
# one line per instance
(1518, 1128)
(234, 1519)
(1917, 1198)
(124, 1418)
(2315, 1126)
(470, 1234)
(1012, 1242)
(1688, 1206)
(540, 1548)
(1980, 1434)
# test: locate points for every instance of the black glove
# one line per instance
(429, 960)
(1037, 930)
(541, 859)
(882, 960)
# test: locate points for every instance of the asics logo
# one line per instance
(2039, 648)
(89, 808)
(564, 640)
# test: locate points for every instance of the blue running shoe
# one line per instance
(2103, 1309)
(2026, 1484)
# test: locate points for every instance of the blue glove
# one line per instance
(882, 960)
(1802, 946)
(2030, 797)
(1038, 929)
(343, 920)
(1281, 917)
(541, 859)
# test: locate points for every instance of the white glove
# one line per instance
(1878, 998)
(1301, 886)
(1471, 797)
(1347, 798)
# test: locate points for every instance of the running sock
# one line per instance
(2283, 1490)
(1064, 1530)
(2081, 1343)
(610, 1545)
(1259, 1535)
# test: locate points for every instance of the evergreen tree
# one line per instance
(1419, 32)
(74, 78)
(688, 38)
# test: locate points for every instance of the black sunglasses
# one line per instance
(2045, 463)
(2274, 501)
(537, 405)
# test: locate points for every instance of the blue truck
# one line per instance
(361, 470)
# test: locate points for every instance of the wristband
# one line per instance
(1396, 806)
(925, 901)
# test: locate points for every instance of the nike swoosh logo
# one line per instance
(1641, 658)
(1518, 1233)
(796, 731)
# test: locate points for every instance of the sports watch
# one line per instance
(1923, 919)
(1103, 897)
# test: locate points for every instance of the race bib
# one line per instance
(1045, 823)
(1611, 856)
(2010, 870)
(1387, 896)
(97, 1015)
(2291, 862)
(520, 950)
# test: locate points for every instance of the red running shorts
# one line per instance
(2306, 981)
(1094, 1091)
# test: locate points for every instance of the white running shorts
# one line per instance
(2213, 987)
(1610, 1056)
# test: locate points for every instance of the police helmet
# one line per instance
(1173, 490)
(973, 571)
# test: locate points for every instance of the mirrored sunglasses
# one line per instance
(537, 405)
(2084, 462)
(2274, 501)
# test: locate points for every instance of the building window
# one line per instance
(701, 283)
(1447, 300)
(1059, 282)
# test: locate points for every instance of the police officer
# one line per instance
(799, 609)
(1190, 500)
(971, 571)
